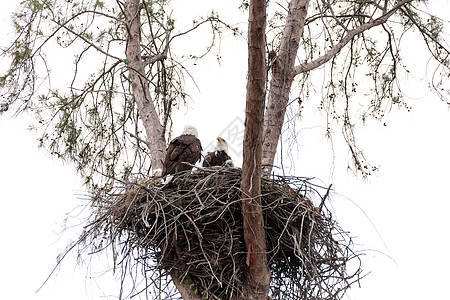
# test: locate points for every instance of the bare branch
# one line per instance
(86, 41)
(305, 67)
(64, 25)
(425, 33)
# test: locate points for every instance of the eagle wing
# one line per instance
(185, 148)
(216, 158)
(207, 161)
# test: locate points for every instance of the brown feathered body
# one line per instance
(185, 148)
(216, 158)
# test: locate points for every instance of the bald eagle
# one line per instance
(219, 156)
(185, 148)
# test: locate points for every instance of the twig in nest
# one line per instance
(325, 197)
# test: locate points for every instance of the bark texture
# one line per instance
(185, 291)
(281, 82)
(258, 273)
(141, 92)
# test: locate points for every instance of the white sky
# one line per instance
(406, 201)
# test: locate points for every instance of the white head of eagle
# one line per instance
(221, 145)
(219, 156)
(188, 129)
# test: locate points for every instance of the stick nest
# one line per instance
(193, 227)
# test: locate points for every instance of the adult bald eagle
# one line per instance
(185, 148)
(219, 156)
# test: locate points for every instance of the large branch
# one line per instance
(281, 82)
(147, 111)
(284, 72)
(258, 274)
(305, 67)
(141, 92)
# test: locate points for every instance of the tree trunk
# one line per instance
(258, 274)
(141, 92)
(185, 292)
(281, 82)
(146, 108)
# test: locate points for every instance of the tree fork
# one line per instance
(258, 274)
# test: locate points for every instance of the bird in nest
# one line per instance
(218, 157)
(183, 152)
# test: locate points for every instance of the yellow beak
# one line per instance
(220, 139)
